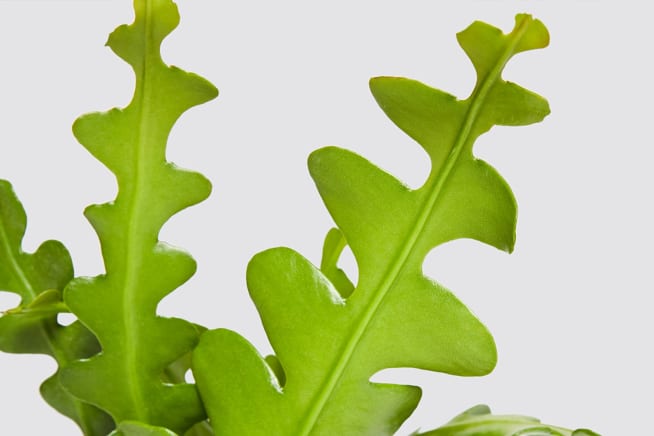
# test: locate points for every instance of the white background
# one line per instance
(570, 309)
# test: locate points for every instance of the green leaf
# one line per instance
(332, 248)
(32, 326)
(478, 421)
(134, 428)
(45, 304)
(329, 346)
(202, 428)
(127, 378)
(276, 367)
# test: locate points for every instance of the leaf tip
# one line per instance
(374, 82)
(536, 34)
(379, 86)
(316, 159)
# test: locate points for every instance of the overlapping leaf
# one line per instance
(127, 377)
(135, 428)
(331, 252)
(328, 345)
(32, 327)
(478, 421)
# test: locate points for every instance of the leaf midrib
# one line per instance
(14, 264)
(134, 240)
(476, 103)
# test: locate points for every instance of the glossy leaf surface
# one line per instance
(330, 343)
(478, 421)
(32, 327)
(135, 428)
(332, 248)
(127, 378)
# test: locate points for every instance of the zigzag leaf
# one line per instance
(478, 421)
(329, 345)
(127, 378)
(32, 326)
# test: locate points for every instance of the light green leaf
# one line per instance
(332, 248)
(276, 367)
(32, 326)
(329, 345)
(202, 428)
(478, 421)
(127, 378)
(45, 304)
(134, 428)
